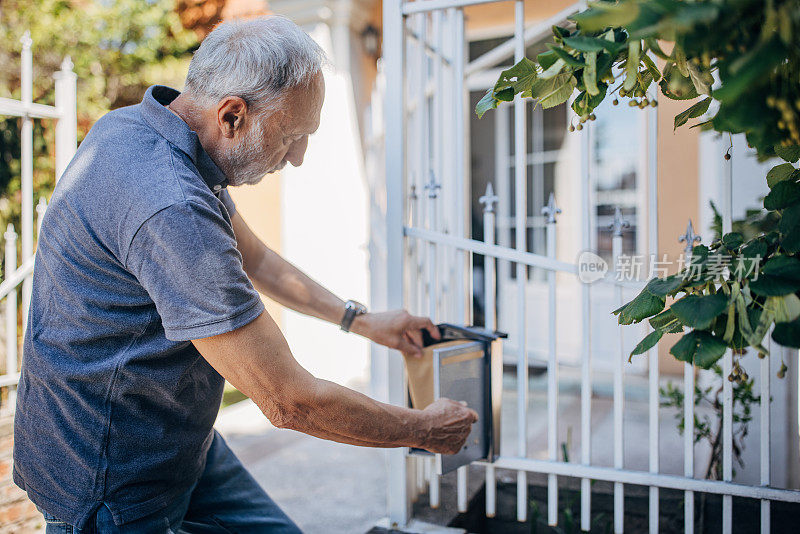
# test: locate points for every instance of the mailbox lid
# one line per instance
(461, 374)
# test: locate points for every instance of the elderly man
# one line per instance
(144, 302)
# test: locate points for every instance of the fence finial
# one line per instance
(619, 223)
(690, 238)
(26, 40)
(67, 64)
(431, 187)
(551, 210)
(11, 234)
(488, 199)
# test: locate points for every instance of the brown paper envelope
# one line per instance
(420, 373)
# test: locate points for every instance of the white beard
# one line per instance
(241, 164)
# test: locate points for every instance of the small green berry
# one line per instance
(782, 370)
(615, 102)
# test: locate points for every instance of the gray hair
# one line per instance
(256, 60)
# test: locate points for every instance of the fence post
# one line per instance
(550, 211)
(432, 188)
(690, 238)
(67, 123)
(11, 310)
(490, 318)
(617, 227)
(26, 164)
(521, 223)
(395, 163)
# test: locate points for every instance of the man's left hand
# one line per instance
(396, 329)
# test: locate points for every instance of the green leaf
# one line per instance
(604, 64)
(773, 286)
(486, 103)
(788, 153)
(676, 86)
(568, 58)
(779, 173)
(732, 240)
(790, 228)
(651, 67)
(554, 91)
(782, 195)
(696, 110)
(644, 305)
(602, 15)
(647, 343)
(783, 266)
(702, 80)
(699, 347)
(667, 321)
(546, 59)
(666, 286)
(779, 276)
(586, 44)
(520, 77)
(787, 334)
(699, 311)
(560, 32)
(755, 248)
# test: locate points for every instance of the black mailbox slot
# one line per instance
(465, 365)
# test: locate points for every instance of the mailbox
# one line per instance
(466, 364)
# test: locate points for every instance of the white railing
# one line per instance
(429, 257)
(65, 114)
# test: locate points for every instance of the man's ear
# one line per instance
(231, 112)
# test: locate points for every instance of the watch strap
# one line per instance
(351, 309)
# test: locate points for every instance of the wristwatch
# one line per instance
(351, 309)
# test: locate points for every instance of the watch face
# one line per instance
(357, 306)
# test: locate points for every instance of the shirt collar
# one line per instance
(177, 132)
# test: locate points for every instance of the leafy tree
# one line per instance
(118, 49)
(742, 56)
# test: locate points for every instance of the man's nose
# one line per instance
(297, 152)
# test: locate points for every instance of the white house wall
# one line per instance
(325, 228)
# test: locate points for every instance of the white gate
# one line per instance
(65, 114)
(428, 75)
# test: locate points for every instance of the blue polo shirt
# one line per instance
(136, 257)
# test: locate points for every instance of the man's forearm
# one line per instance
(286, 284)
(257, 360)
(333, 412)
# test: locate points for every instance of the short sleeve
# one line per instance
(226, 199)
(185, 257)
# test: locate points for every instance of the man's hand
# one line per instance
(396, 329)
(451, 422)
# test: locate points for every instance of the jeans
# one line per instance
(226, 499)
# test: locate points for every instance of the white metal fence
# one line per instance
(65, 114)
(428, 271)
